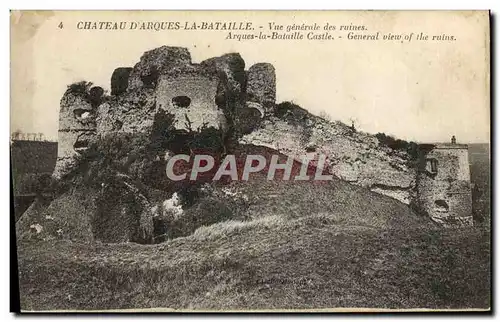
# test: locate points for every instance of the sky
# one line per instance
(424, 91)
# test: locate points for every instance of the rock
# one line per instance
(261, 85)
(36, 228)
(156, 62)
(76, 112)
(257, 106)
(230, 68)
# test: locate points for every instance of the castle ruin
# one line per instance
(209, 94)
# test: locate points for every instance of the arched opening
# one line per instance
(441, 206)
(181, 101)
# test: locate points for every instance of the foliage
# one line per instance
(205, 212)
(16, 135)
(202, 206)
(480, 171)
(166, 137)
(324, 115)
(82, 87)
(44, 184)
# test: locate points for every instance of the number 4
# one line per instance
(61, 25)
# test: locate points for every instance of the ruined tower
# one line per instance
(443, 183)
(215, 93)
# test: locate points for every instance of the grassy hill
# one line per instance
(269, 263)
(300, 245)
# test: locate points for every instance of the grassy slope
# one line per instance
(302, 245)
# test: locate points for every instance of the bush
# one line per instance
(411, 148)
(109, 155)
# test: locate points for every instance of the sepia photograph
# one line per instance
(251, 161)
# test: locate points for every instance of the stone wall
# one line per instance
(216, 90)
(261, 85)
(190, 97)
(208, 93)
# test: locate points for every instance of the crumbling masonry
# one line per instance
(443, 184)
